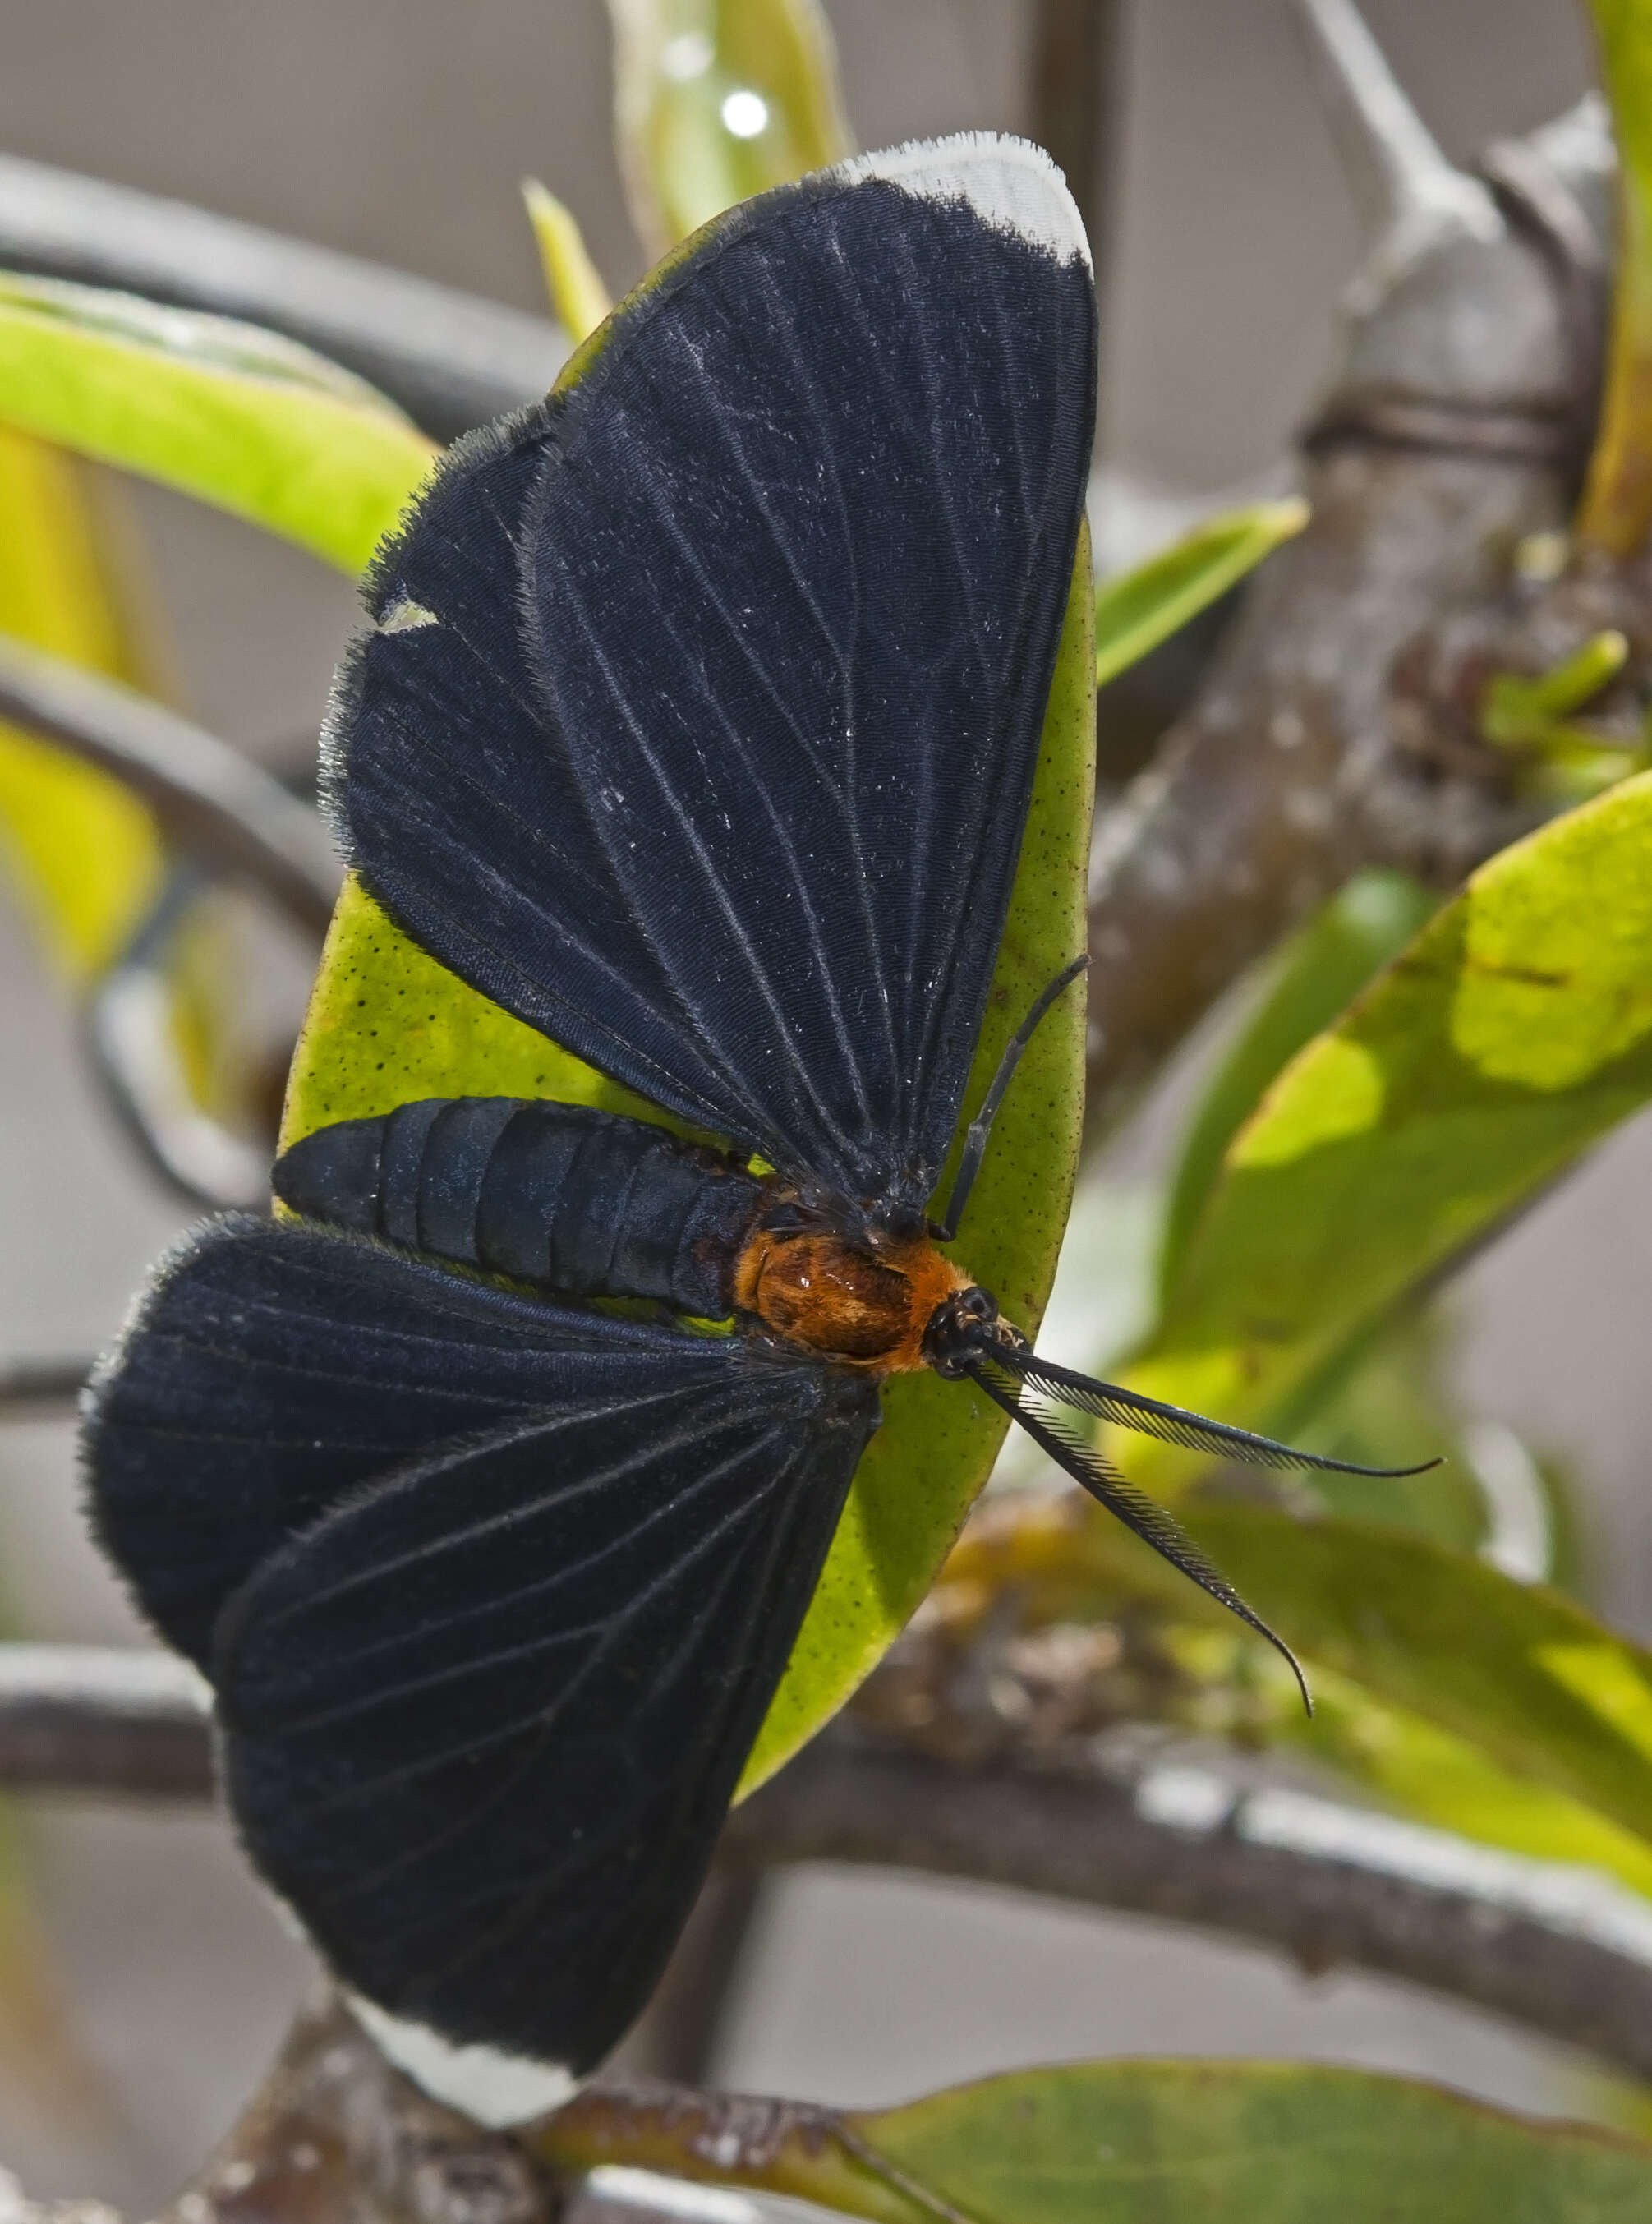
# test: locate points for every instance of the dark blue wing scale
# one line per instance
(733, 807)
(586, 1203)
(493, 1595)
(270, 1370)
(482, 1724)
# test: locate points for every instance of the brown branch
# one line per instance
(1559, 1949)
(80, 1718)
(1454, 430)
(36, 1389)
(451, 359)
(790, 2147)
(214, 802)
(336, 2133)
(1554, 1948)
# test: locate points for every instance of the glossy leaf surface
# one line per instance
(388, 1025)
(1514, 1032)
(716, 100)
(1137, 609)
(254, 424)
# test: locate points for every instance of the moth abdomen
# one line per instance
(584, 1202)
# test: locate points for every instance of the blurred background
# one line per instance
(399, 129)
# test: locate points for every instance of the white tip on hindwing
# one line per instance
(1010, 183)
(495, 2088)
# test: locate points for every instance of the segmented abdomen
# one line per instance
(583, 1202)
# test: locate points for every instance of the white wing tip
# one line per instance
(1011, 184)
(496, 2088)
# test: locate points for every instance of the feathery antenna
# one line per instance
(1175, 1425)
(981, 1127)
(1138, 1512)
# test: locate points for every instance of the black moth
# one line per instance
(696, 724)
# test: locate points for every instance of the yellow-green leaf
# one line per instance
(572, 280)
(1137, 609)
(388, 1025)
(81, 852)
(716, 100)
(1531, 1684)
(1444, 1778)
(1247, 2143)
(1512, 1034)
(1318, 972)
(254, 424)
(1616, 511)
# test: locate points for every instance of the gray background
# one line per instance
(399, 129)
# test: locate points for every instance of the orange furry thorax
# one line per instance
(858, 1306)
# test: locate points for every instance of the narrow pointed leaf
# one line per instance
(254, 424)
(572, 280)
(716, 100)
(1523, 1676)
(1137, 609)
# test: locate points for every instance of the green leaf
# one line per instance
(254, 424)
(1184, 2142)
(1512, 1034)
(1558, 760)
(1517, 1670)
(1137, 609)
(1616, 510)
(1319, 971)
(1375, 1410)
(1246, 2142)
(572, 280)
(388, 1025)
(716, 100)
(1446, 1779)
